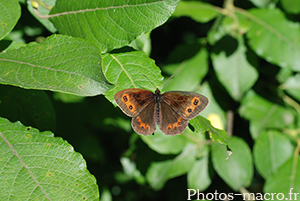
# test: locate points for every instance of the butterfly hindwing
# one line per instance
(132, 101)
(144, 121)
(170, 122)
(187, 104)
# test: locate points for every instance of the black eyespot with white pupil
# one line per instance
(125, 98)
(130, 107)
(196, 102)
(189, 110)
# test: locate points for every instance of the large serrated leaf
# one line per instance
(38, 166)
(275, 38)
(9, 15)
(60, 63)
(110, 24)
(127, 70)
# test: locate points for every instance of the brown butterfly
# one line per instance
(170, 111)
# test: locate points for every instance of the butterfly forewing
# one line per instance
(170, 122)
(187, 104)
(144, 121)
(132, 101)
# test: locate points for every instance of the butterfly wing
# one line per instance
(186, 104)
(170, 122)
(132, 101)
(144, 122)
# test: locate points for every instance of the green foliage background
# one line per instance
(61, 62)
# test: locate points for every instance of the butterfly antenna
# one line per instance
(168, 79)
(150, 81)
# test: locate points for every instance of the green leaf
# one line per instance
(201, 125)
(43, 9)
(213, 106)
(183, 79)
(164, 144)
(291, 6)
(234, 71)
(126, 70)
(237, 170)
(292, 86)
(110, 24)
(263, 3)
(285, 180)
(198, 11)
(38, 166)
(9, 16)
(198, 175)
(275, 38)
(60, 63)
(271, 150)
(160, 172)
(263, 113)
(31, 107)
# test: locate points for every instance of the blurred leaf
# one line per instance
(285, 180)
(232, 67)
(110, 24)
(67, 98)
(9, 16)
(142, 43)
(292, 86)
(264, 3)
(129, 172)
(38, 166)
(201, 125)
(213, 106)
(284, 74)
(164, 144)
(291, 6)
(263, 113)
(160, 172)
(189, 73)
(126, 70)
(237, 170)
(106, 195)
(31, 107)
(44, 8)
(198, 176)
(275, 38)
(6, 45)
(198, 11)
(60, 63)
(271, 150)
